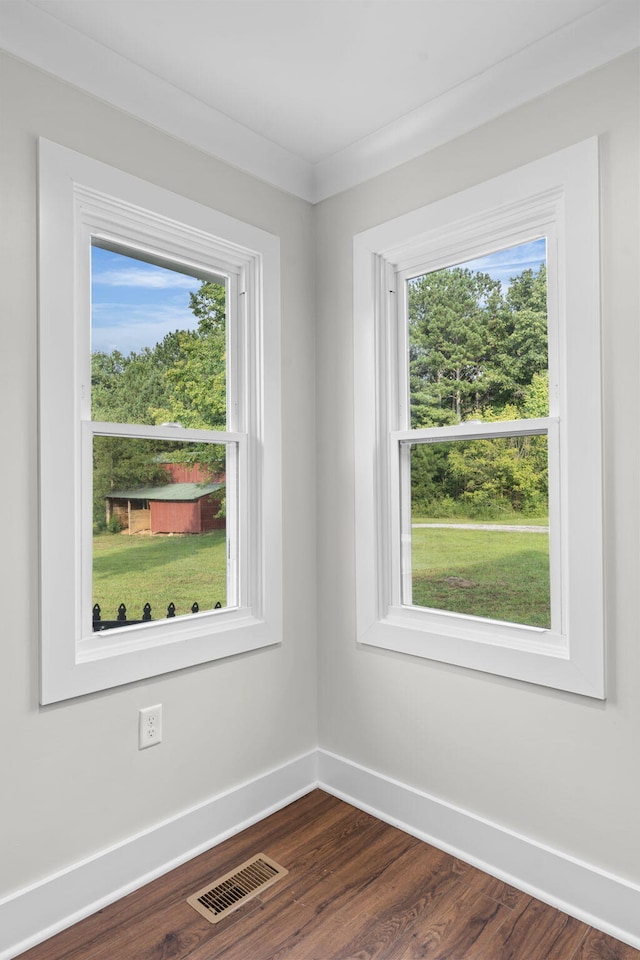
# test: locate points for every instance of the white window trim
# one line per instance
(80, 197)
(556, 196)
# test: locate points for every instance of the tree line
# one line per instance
(181, 379)
(478, 353)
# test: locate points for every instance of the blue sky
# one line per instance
(509, 263)
(135, 304)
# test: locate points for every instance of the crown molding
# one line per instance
(33, 35)
(586, 44)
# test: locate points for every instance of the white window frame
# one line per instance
(81, 198)
(556, 197)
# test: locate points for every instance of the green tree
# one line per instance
(181, 379)
(124, 390)
(127, 389)
(522, 343)
(196, 381)
(196, 395)
(452, 317)
(499, 475)
(474, 353)
(470, 347)
(121, 463)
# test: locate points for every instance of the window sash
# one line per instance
(93, 224)
(400, 513)
(237, 533)
(97, 222)
(393, 333)
(477, 430)
(543, 224)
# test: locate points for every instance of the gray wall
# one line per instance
(73, 780)
(558, 768)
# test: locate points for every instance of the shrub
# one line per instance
(115, 525)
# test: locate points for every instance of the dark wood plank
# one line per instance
(421, 874)
(423, 893)
(598, 946)
(437, 930)
(535, 931)
(495, 889)
(357, 889)
(149, 906)
(458, 928)
(300, 843)
(312, 896)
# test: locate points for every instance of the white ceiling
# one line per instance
(315, 77)
(316, 95)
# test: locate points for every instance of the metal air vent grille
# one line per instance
(233, 889)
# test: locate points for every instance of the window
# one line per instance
(478, 507)
(167, 496)
(474, 512)
(159, 432)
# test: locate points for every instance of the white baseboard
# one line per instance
(585, 892)
(600, 899)
(38, 912)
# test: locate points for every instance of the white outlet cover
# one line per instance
(149, 726)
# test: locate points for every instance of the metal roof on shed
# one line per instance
(167, 492)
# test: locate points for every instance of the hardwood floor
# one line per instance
(357, 889)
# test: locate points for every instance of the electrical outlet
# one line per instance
(149, 726)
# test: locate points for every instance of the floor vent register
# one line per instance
(217, 900)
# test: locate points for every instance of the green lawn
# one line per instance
(503, 576)
(485, 573)
(138, 569)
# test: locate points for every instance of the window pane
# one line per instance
(475, 536)
(159, 525)
(477, 339)
(158, 342)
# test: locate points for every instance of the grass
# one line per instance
(140, 569)
(503, 576)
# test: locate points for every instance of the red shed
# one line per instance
(170, 508)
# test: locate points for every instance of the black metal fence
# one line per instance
(123, 620)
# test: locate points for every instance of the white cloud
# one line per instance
(126, 327)
(150, 277)
(505, 265)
